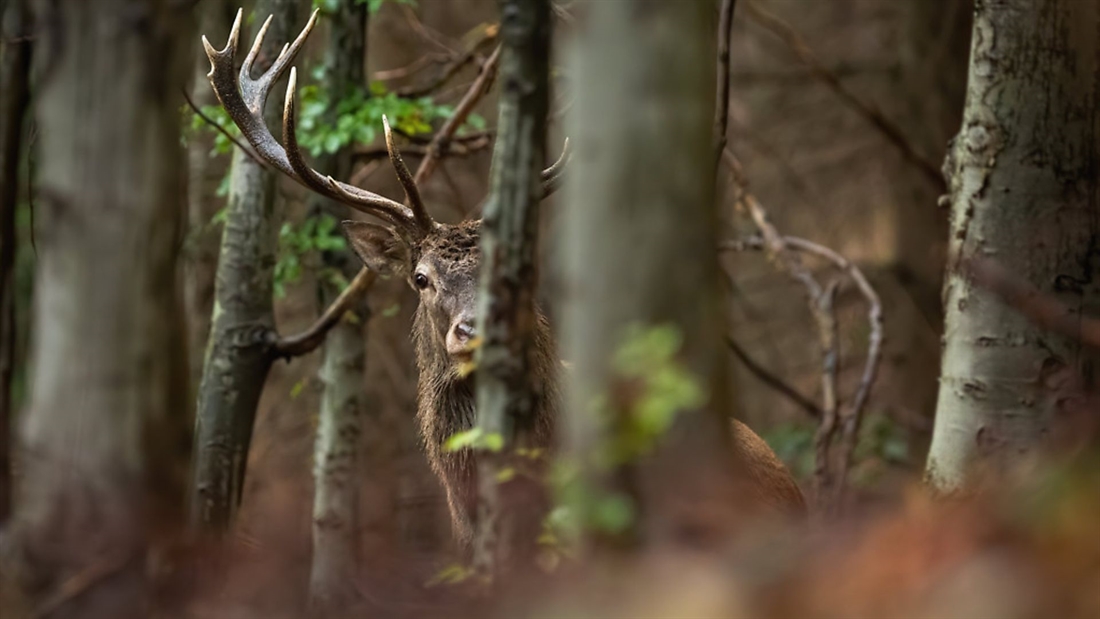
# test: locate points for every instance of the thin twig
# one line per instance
(722, 103)
(779, 249)
(868, 111)
(462, 111)
(454, 148)
(852, 416)
(213, 123)
(415, 66)
(824, 310)
(773, 381)
(452, 68)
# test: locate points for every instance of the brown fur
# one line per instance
(446, 400)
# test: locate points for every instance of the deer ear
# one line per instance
(379, 247)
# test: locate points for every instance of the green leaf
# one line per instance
(462, 440)
(613, 514)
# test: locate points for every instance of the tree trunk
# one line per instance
(104, 435)
(240, 350)
(639, 250)
(204, 175)
(507, 383)
(15, 60)
(1024, 193)
(343, 402)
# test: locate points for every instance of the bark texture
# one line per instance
(15, 60)
(1024, 193)
(507, 385)
(640, 238)
(104, 437)
(336, 464)
(240, 350)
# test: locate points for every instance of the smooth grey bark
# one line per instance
(336, 466)
(240, 349)
(204, 175)
(15, 61)
(104, 437)
(639, 241)
(507, 383)
(1024, 193)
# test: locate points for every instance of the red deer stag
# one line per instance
(440, 261)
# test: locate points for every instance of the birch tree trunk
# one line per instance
(104, 436)
(14, 98)
(1024, 193)
(336, 464)
(639, 252)
(507, 380)
(240, 350)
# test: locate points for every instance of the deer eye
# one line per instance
(420, 281)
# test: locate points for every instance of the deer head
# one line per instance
(440, 261)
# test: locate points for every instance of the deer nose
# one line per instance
(465, 330)
(460, 335)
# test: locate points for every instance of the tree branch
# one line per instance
(779, 248)
(454, 66)
(462, 111)
(222, 130)
(868, 111)
(771, 380)
(311, 338)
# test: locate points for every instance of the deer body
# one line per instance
(441, 262)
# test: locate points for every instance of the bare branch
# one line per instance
(488, 35)
(773, 381)
(868, 111)
(462, 111)
(216, 125)
(311, 338)
(455, 148)
(831, 487)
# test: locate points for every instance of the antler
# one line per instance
(552, 177)
(244, 98)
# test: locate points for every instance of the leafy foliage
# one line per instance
(316, 234)
(475, 438)
(649, 389)
(359, 116)
(794, 444)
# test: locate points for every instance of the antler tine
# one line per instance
(243, 99)
(359, 199)
(420, 212)
(288, 54)
(227, 86)
(558, 166)
(250, 59)
(552, 177)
